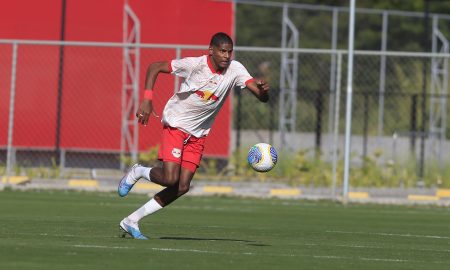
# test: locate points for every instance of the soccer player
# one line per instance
(187, 119)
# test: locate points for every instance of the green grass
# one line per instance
(74, 230)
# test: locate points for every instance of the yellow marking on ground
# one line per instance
(443, 193)
(83, 183)
(422, 198)
(16, 180)
(358, 195)
(148, 186)
(285, 192)
(217, 189)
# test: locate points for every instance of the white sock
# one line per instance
(149, 208)
(142, 172)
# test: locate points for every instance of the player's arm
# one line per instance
(146, 108)
(260, 89)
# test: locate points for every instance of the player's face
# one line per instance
(221, 55)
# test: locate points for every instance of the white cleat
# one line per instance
(124, 187)
(131, 228)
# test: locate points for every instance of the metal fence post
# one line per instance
(9, 153)
(337, 100)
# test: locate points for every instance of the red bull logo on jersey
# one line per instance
(206, 95)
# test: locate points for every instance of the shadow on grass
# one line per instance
(250, 242)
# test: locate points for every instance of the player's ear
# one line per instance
(210, 50)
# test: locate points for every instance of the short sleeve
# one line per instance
(243, 77)
(183, 67)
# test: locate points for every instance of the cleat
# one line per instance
(131, 228)
(124, 187)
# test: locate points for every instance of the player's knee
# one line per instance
(183, 188)
(171, 179)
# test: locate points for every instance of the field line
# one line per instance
(96, 246)
(380, 247)
(332, 257)
(393, 234)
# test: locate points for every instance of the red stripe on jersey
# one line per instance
(211, 66)
(170, 66)
(249, 81)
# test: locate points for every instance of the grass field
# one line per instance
(74, 230)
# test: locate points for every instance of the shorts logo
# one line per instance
(176, 152)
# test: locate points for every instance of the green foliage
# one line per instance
(41, 171)
(305, 169)
(261, 25)
(301, 168)
(404, 75)
(149, 157)
(209, 167)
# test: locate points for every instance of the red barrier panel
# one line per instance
(92, 77)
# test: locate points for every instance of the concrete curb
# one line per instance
(412, 196)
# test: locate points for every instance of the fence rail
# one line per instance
(92, 83)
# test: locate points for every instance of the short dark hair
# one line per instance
(220, 38)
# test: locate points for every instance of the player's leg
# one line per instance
(172, 144)
(170, 153)
(160, 200)
(192, 155)
(171, 193)
(176, 173)
(166, 176)
(167, 195)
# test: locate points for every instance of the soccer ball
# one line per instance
(262, 157)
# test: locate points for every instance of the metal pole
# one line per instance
(337, 102)
(62, 163)
(136, 83)
(123, 100)
(319, 112)
(283, 71)
(366, 124)
(60, 84)
(238, 130)
(333, 69)
(9, 153)
(421, 181)
(413, 125)
(348, 118)
(382, 78)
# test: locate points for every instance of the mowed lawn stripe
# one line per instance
(79, 230)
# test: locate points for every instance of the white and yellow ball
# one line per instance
(262, 157)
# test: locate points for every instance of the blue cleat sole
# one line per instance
(128, 230)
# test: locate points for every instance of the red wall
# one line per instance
(92, 80)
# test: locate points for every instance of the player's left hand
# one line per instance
(262, 85)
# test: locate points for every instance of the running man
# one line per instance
(187, 119)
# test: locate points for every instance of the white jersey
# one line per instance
(203, 92)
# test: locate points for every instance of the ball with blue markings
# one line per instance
(262, 157)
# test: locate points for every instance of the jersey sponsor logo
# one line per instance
(176, 152)
(206, 95)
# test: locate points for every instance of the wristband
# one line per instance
(148, 94)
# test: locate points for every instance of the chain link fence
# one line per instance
(62, 105)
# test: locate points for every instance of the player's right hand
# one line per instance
(143, 113)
